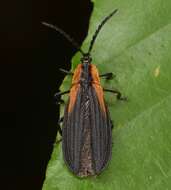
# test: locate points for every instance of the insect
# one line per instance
(87, 126)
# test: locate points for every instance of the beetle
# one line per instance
(87, 126)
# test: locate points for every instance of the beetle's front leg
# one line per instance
(117, 93)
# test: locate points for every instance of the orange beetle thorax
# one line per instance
(93, 73)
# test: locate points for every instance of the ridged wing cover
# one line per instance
(86, 114)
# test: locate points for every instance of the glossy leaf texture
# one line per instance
(136, 46)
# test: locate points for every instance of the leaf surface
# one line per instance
(135, 45)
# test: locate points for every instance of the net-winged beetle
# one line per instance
(87, 127)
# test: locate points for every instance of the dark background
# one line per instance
(30, 57)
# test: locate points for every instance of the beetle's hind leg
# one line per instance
(57, 96)
(117, 93)
(59, 125)
(111, 124)
(58, 99)
(59, 129)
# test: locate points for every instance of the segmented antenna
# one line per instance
(71, 40)
(99, 28)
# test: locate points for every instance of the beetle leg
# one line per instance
(59, 129)
(59, 125)
(117, 93)
(59, 100)
(111, 124)
(66, 72)
(58, 95)
(108, 76)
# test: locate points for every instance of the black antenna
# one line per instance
(98, 29)
(71, 40)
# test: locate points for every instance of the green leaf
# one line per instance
(135, 44)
